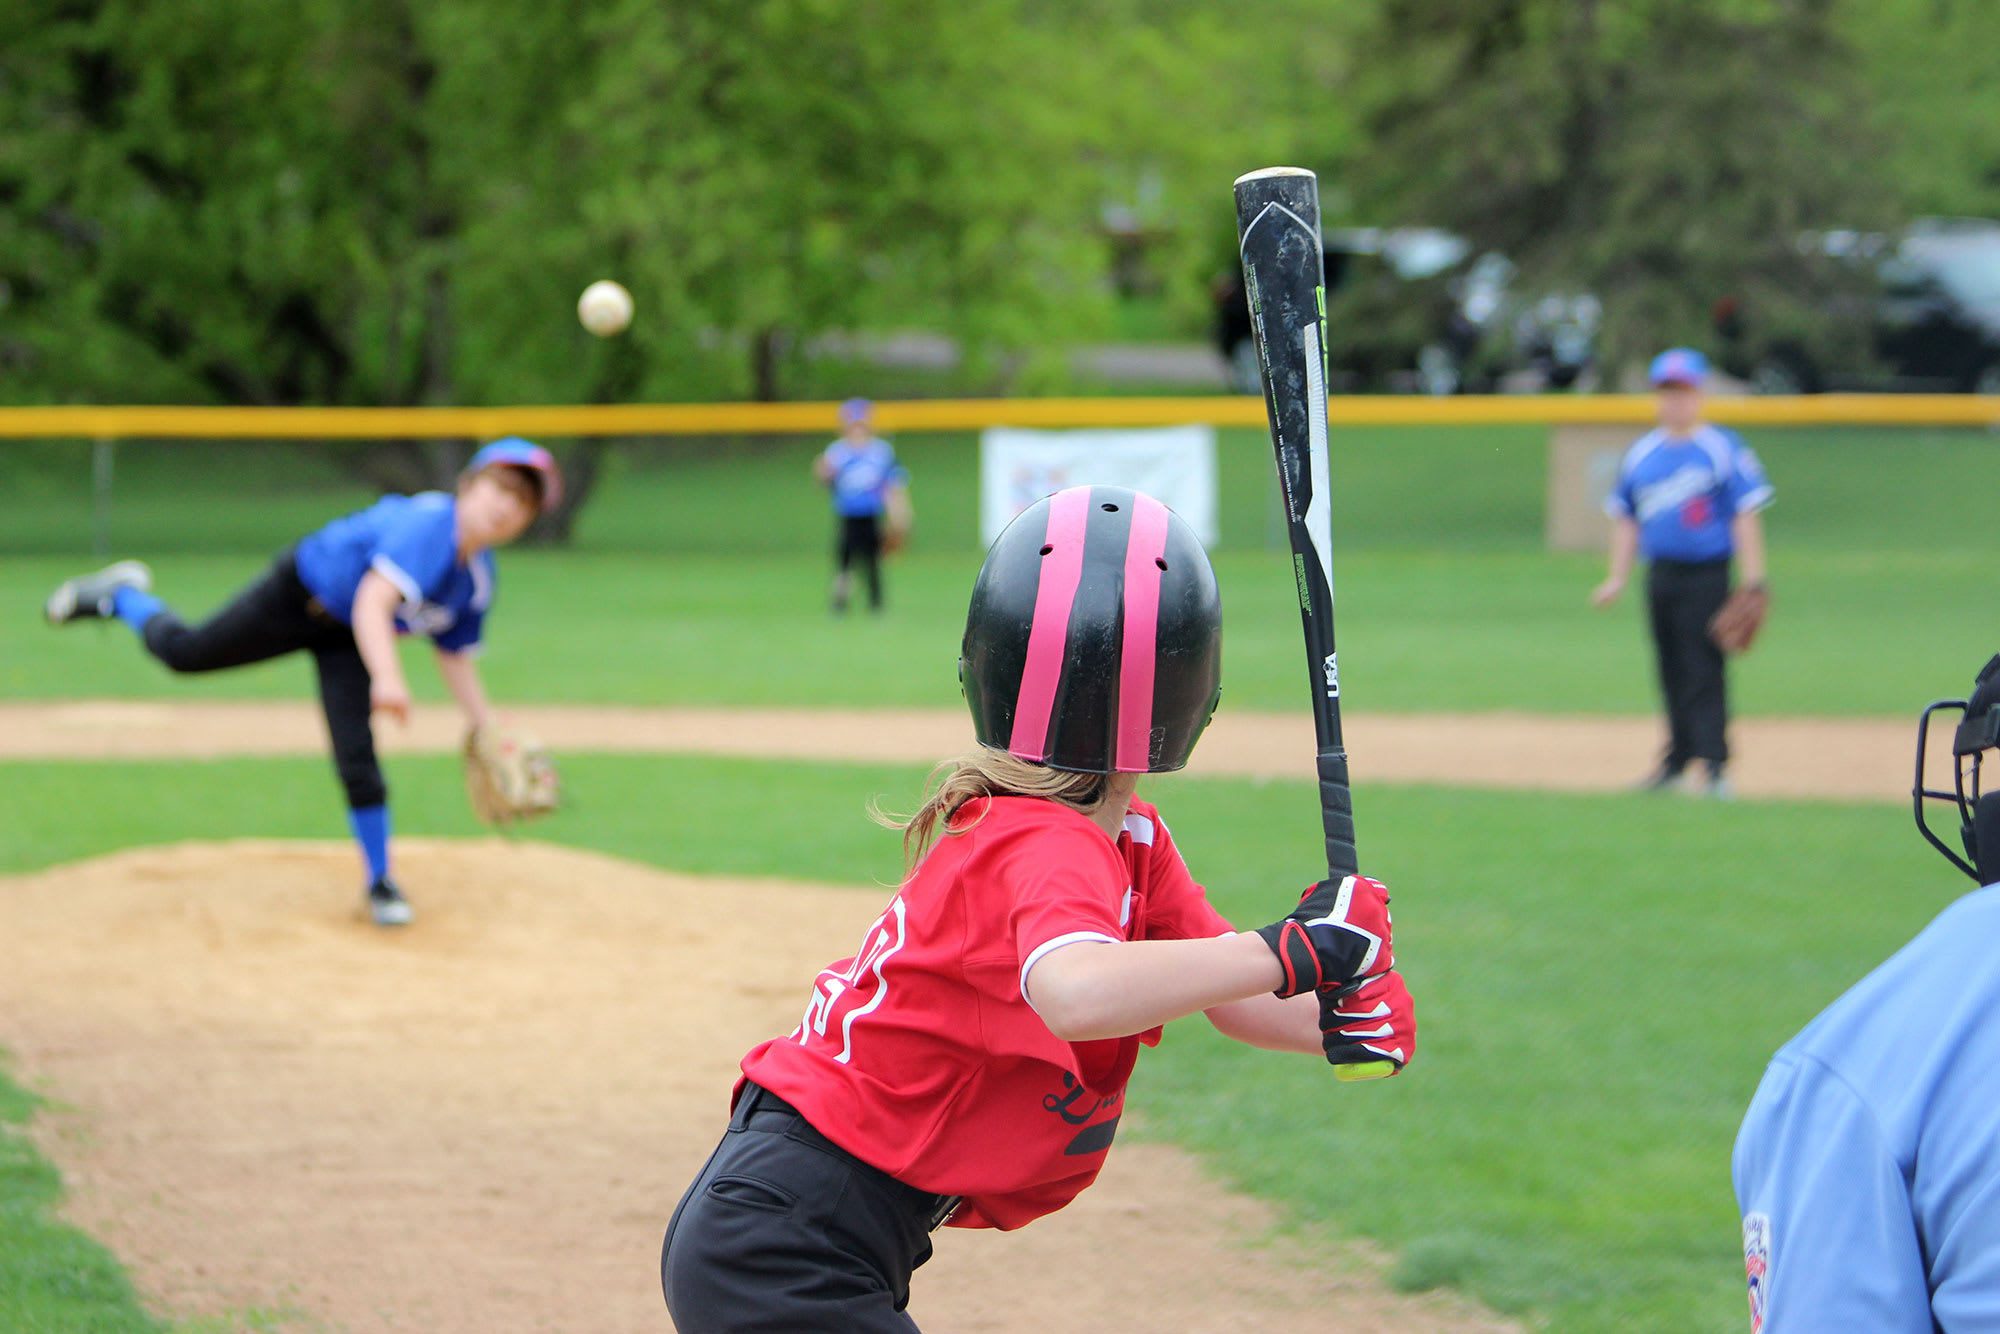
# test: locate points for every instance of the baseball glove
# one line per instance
(896, 518)
(508, 775)
(1735, 625)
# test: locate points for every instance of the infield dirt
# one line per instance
(1849, 759)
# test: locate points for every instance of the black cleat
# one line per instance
(386, 904)
(93, 596)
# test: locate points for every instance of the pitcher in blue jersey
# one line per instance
(1688, 497)
(1867, 1168)
(871, 504)
(419, 564)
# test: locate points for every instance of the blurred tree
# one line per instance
(387, 202)
(1660, 154)
(1933, 74)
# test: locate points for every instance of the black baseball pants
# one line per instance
(274, 616)
(1682, 596)
(860, 539)
(784, 1231)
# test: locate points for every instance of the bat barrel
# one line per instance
(1284, 282)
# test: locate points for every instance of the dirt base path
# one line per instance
(483, 1122)
(1850, 759)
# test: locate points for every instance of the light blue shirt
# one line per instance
(1868, 1165)
(413, 542)
(861, 474)
(1683, 491)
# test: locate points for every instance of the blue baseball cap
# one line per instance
(514, 452)
(1678, 365)
(855, 410)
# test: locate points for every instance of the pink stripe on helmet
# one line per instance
(1147, 544)
(1048, 633)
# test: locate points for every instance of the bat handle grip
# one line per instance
(1336, 809)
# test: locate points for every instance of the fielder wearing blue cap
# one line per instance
(1688, 498)
(871, 504)
(1678, 365)
(420, 564)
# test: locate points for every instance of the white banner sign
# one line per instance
(1173, 464)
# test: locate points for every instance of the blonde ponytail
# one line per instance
(984, 773)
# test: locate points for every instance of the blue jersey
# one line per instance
(413, 542)
(1683, 491)
(1868, 1165)
(861, 475)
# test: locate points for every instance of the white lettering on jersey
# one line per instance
(426, 618)
(1684, 484)
(883, 940)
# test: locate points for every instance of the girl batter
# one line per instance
(968, 1063)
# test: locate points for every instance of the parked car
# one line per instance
(1926, 318)
(1415, 310)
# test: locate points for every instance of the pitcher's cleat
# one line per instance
(386, 904)
(1664, 779)
(93, 596)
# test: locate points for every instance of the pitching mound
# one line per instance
(483, 1122)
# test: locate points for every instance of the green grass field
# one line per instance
(699, 577)
(1596, 1006)
(1852, 633)
(1601, 979)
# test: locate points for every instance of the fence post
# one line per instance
(101, 457)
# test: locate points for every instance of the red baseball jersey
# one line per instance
(920, 1055)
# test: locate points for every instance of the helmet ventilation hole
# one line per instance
(1047, 550)
(1160, 561)
(1110, 509)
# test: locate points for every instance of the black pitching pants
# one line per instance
(274, 616)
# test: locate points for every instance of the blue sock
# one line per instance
(134, 607)
(371, 830)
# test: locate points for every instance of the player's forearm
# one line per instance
(460, 674)
(1273, 1024)
(1747, 531)
(1624, 549)
(1101, 989)
(374, 620)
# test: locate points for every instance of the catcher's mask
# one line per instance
(1094, 640)
(1978, 731)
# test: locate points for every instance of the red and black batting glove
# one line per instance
(1339, 932)
(1371, 1031)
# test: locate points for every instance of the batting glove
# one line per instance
(1371, 1031)
(1339, 932)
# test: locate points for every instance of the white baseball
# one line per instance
(605, 308)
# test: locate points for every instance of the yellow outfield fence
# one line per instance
(1587, 432)
(970, 414)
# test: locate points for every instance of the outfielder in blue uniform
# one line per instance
(869, 490)
(1688, 498)
(1868, 1165)
(419, 564)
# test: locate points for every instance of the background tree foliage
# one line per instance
(387, 202)
(379, 201)
(1660, 154)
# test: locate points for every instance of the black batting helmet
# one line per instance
(1094, 639)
